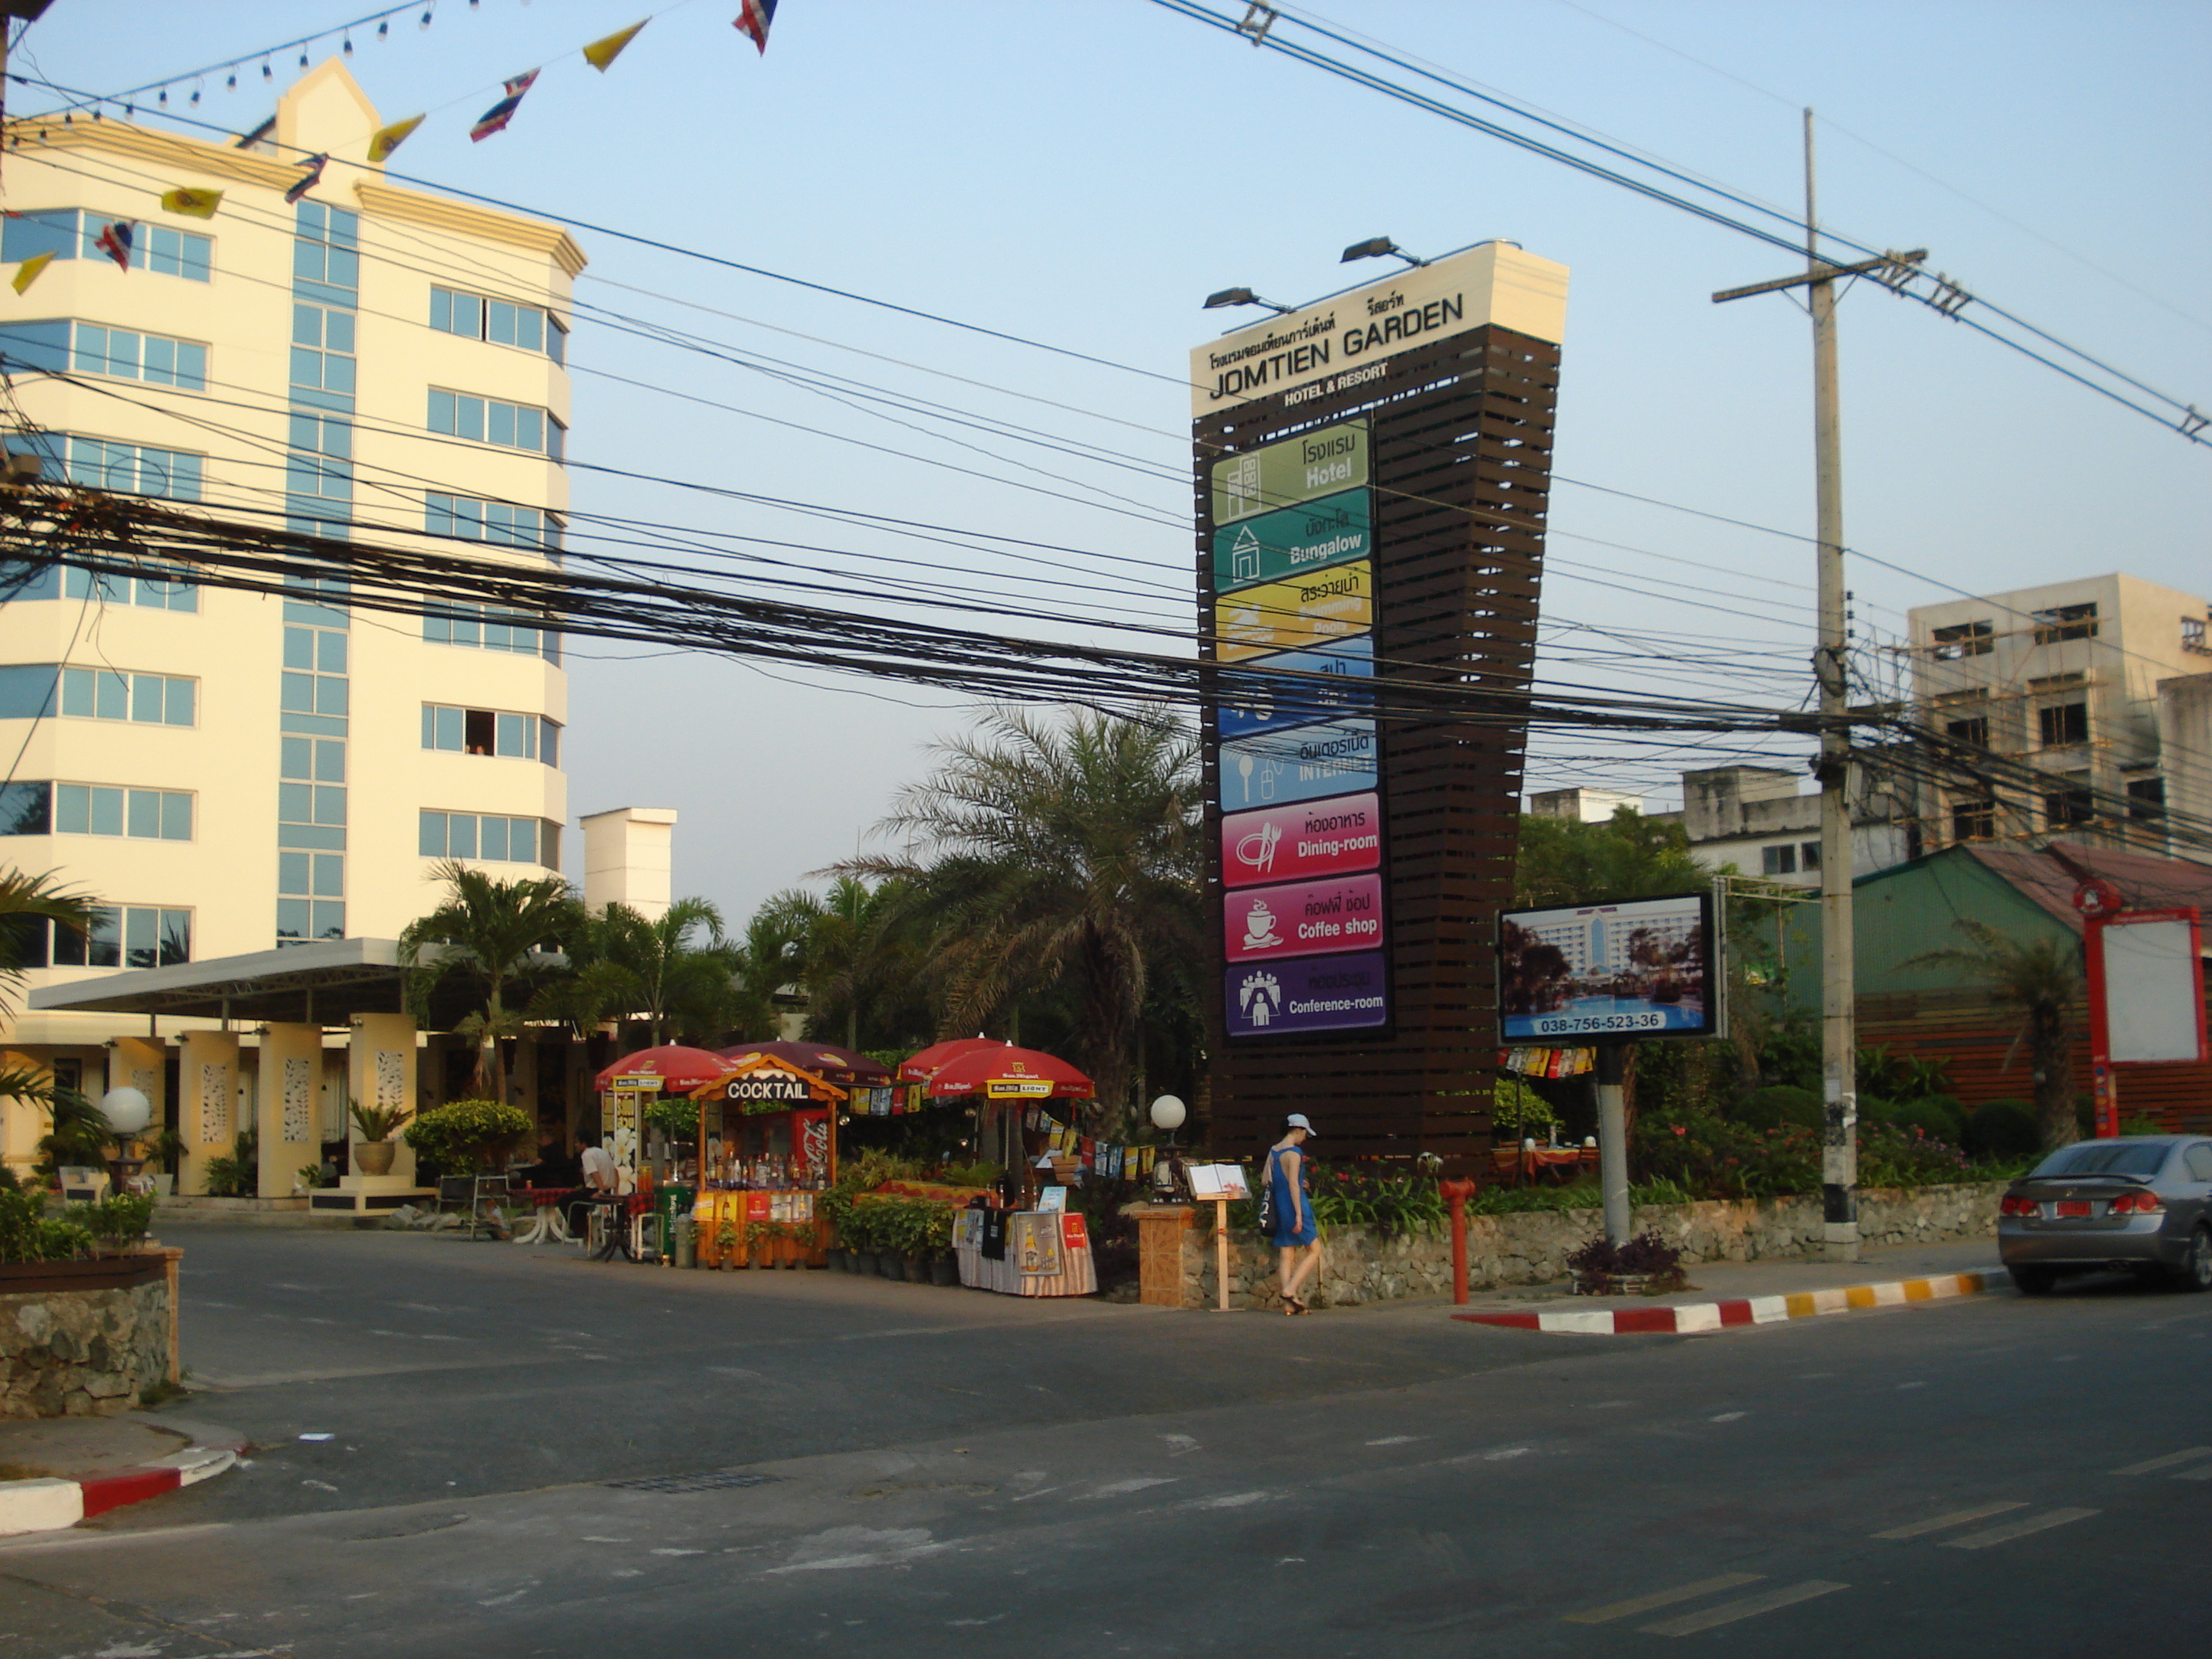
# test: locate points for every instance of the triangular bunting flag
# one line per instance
(385, 140)
(754, 20)
(308, 179)
(601, 53)
(495, 119)
(199, 204)
(30, 270)
(115, 242)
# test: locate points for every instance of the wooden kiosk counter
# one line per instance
(768, 1135)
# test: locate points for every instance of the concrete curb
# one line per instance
(43, 1505)
(1748, 1310)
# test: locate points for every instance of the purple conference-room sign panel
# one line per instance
(1302, 842)
(1307, 994)
(1307, 919)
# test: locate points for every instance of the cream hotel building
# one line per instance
(238, 777)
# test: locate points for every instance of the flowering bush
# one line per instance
(1713, 1158)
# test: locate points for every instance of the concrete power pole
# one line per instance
(1838, 1036)
(1839, 1153)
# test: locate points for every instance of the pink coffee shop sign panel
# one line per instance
(1301, 842)
(1304, 919)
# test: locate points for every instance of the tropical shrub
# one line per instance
(1937, 1116)
(2003, 1129)
(118, 1223)
(27, 1233)
(1516, 1108)
(1779, 1105)
(237, 1173)
(465, 1134)
(1599, 1262)
(1393, 1205)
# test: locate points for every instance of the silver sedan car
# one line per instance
(2142, 1202)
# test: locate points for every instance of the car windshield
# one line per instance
(2104, 1158)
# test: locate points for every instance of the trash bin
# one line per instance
(669, 1202)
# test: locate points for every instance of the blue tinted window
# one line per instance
(39, 348)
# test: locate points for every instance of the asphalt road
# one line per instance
(932, 1471)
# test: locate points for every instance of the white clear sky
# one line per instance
(1085, 174)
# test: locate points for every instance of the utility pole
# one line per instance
(1839, 1157)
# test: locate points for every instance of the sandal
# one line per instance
(1292, 1306)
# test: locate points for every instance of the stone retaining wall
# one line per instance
(82, 1353)
(1531, 1247)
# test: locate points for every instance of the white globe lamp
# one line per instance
(127, 1110)
(1169, 1113)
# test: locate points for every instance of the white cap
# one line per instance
(1299, 1120)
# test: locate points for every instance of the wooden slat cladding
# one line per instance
(1461, 440)
(1975, 1038)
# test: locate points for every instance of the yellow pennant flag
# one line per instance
(385, 140)
(600, 53)
(199, 203)
(30, 269)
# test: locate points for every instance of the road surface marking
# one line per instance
(1123, 1488)
(1911, 1385)
(1956, 1518)
(1667, 1598)
(1728, 1612)
(2012, 1529)
(1395, 1440)
(1728, 1417)
(2203, 1471)
(2151, 1465)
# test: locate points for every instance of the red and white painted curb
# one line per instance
(1748, 1310)
(43, 1505)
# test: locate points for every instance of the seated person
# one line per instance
(598, 1165)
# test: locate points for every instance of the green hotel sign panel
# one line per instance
(1300, 469)
(1294, 540)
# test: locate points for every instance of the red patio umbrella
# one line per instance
(920, 1068)
(825, 1060)
(1003, 1072)
(676, 1067)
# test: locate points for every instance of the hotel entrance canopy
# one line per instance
(323, 983)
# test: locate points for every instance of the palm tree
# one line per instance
(1056, 852)
(2041, 979)
(854, 946)
(491, 934)
(626, 966)
(26, 901)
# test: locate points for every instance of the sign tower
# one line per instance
(1371, 474)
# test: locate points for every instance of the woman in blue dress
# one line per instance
(1298, 1235)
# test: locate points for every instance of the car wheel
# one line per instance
(2195, 1272)
(2032, 1281)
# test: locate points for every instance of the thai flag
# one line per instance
(115, 242)
(307, 180)
(495, 119)
(754, 20)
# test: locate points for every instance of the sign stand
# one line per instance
(1219, 1184)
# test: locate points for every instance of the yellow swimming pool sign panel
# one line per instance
(1293, 616)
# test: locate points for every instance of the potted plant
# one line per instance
(944, 1266)
(1646, 1265)
(914, 1240)
(374, 1152)
(162, 1147)
(859, 1232)
(725, 1241)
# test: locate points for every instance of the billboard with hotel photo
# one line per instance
(1588, 974)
